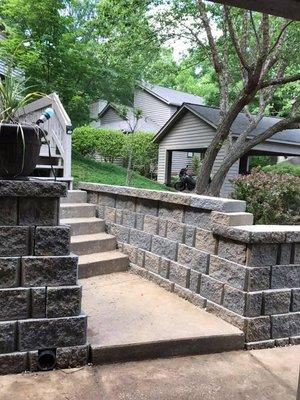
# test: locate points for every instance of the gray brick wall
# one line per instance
(193, 246)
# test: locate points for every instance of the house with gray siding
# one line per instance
(192, 128)
(158, 105)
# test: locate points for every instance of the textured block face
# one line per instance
(49, 271)
(297, 253)
(36, 211)
(7, 337)
(285, 276)
(106, 200)
(110, 215)
(8, 211)
(277, 301)
(162, 227)
(14, 241)
(199, 218)
(281, 326)
(139, 223)
(14, 303)
(38, 302)
(175, 231)
(253, 304)
(232, 251)
(63, 301)
(9, 272)
(131, 251)
(192, 258)
(179, 274)
(296, 300)
(59, 332)
(234, 299)
(121, 232)
(72, 357)
(13, 363)
(263, 255)
(171, 212)
(52, 241)
(140, 239)
(258, 329)
(152, 262)
(151, 224)
(194, 281)
(125, 203)
(164, 247)
(164, 268)
(128, 219)
(205, 241)
(148, 207)
(211, 289)
(228, 272)
(285, 253)
(190, 233)
(259, 279)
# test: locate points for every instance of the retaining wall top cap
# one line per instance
(32, 189)
(260, 233)
(192, 200)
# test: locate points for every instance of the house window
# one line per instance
(190, 155)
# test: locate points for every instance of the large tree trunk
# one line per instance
(216, 184)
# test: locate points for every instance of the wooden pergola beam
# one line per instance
(289, 9)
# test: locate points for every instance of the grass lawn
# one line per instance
(87, 170)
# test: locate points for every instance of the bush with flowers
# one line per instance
(272, 198)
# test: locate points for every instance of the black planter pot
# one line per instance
(19, 152)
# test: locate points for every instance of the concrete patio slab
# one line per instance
(257, 375)
(131, 318)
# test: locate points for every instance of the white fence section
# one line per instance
(59, 129)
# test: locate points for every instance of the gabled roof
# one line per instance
(145, 124)
(211, 115)
(171, 96)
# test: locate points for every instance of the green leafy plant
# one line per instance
(109, 143)
(84, 140)
(283, 168)
(272, 198)
(143, 151)
(14, 95)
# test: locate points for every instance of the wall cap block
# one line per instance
(259, 233)
(186, 199)
(32, 189)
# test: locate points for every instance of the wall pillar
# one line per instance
(39, 293)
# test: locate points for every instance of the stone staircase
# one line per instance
(96, 249)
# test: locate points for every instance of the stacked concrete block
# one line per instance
(207, 251)
(39, 294)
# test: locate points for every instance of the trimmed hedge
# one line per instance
(283, 168)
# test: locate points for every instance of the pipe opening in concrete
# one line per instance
(46, 359)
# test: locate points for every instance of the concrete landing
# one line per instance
(131, 318)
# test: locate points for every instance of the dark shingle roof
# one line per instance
(212, 115)
(171, 96)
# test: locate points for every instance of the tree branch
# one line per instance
(234, 39)
(283, 29)
(281, 81)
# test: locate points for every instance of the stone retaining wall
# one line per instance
(207, 251)
(40, 299)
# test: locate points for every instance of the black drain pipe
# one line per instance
(46, 359)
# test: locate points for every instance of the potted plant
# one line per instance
(20, 143)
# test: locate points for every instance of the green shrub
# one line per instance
(88, 141)
(144, 152)
(283, 169)
(110, 143)
(261, 161)
(272, 198)
(84, 140)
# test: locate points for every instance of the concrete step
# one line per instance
(94, 243)
(102, 263)
(84, 226)
(82, 210)
(131, 319)
(75, 196)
